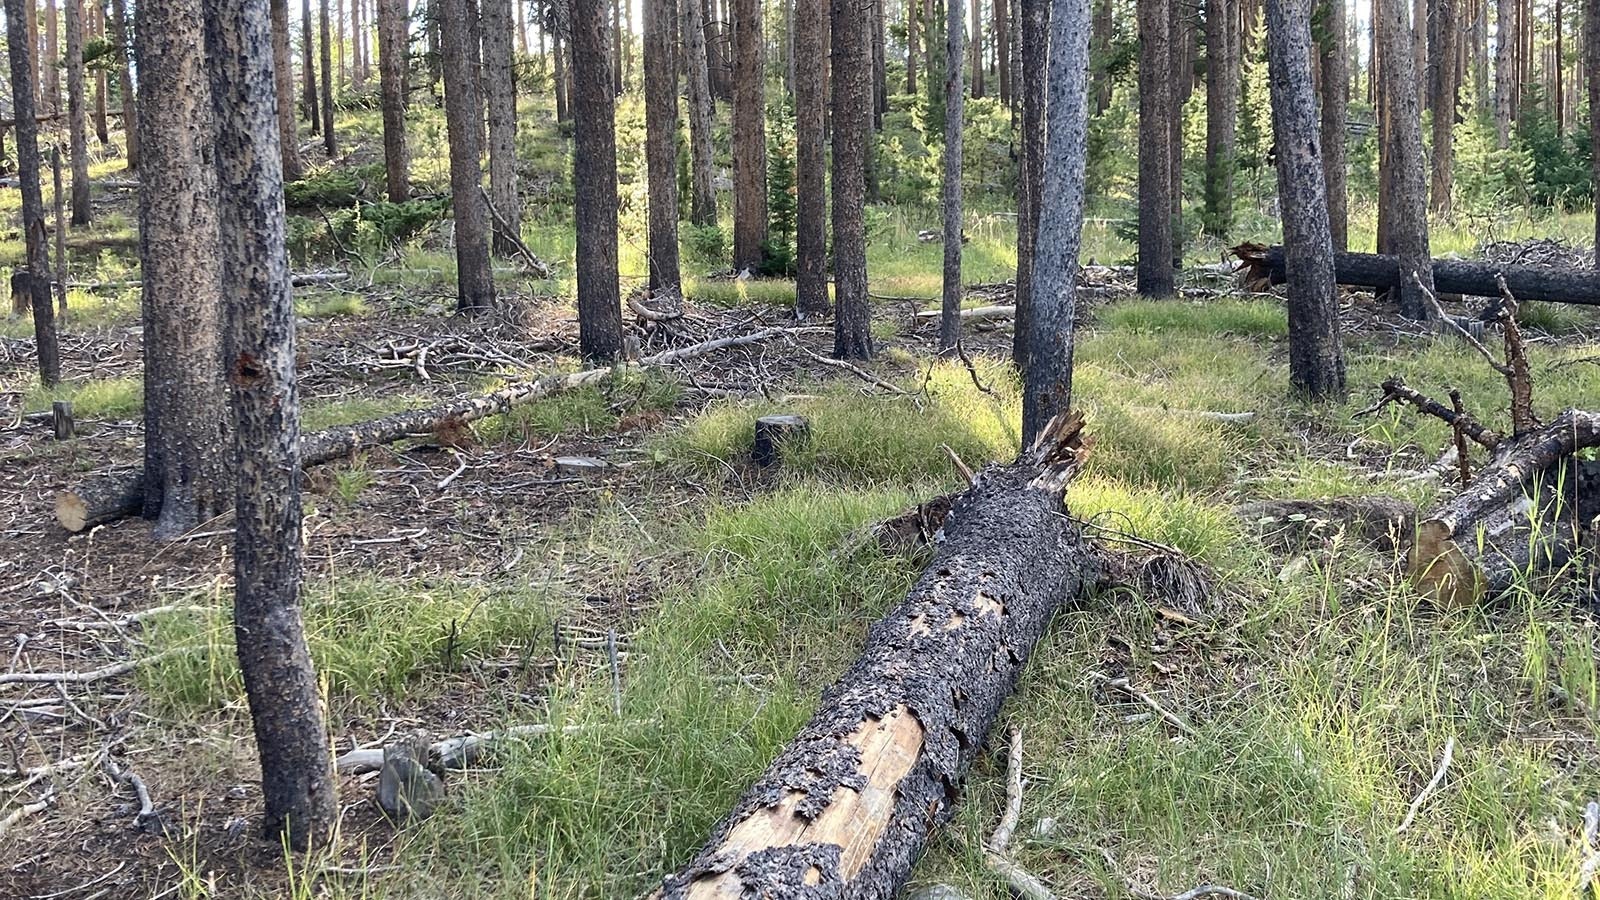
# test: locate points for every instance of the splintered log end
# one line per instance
(1256, 272)
(1439, 570)
(1057, 450)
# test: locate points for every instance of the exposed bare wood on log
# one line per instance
(1265, 266)
(847, 807)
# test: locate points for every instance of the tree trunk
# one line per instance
(1002, 49)
(1047, 382)
(464, 124)
(913, 16)
(37, 250)
(393, 22)
(749, 139)
(562, 46)
(661, 147)
(852, 117)
(954, 105)
(1099, 49)
(1033, 24)
(975, 52)
(880, 70)
(280, 683)
(1407, 195)
(1505, 70)
(595, 178)
(811, 242)
(308, 50)
(283, 72)
(52, 55)
(1591, 65)
(616, 47)
(77, 124)
(501, 89)
(1335, 109)
(1156, 113)
(358, 64)
(130, 109)
(702, 194)
(1472, 278)
(1316, 361)
(187, 475)
(847, 807)
(97, 29)
(60, 279)
(1222, 114)
(1446, 86)
(329, 142)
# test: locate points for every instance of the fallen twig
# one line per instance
(1432, 785)
(459, 752)
(26, 810)
(1170, 718)
(100, 674)
(1020, 880)
(889, 386)
(509, 234)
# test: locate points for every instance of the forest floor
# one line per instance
(464, 583)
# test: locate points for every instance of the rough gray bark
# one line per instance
(595, 177)
(77, 124)
(1222, 114)
(749, 138)
(1156, 112)
(1335, 109)
(500, 89)
(329, 141)
(1446, 84)
(1002, 49)
(1033, 24)
(52, 53)
(851, 55)
(28, 169)
(1047, 382)
(308, 84)
(392, 59)
(975, 50)
(187, 475)
(1316, 360)
(59, 198)
(130, 106)
(847, 807)
(1505, 75)
(702, 194)
(562, 47)
(1407, 194)
(954, 106)
(280, 684)
(464, 124)
(661, 147)
(811, 242)
(283, 71)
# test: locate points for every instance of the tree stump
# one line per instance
(772, 433)
(61, 419)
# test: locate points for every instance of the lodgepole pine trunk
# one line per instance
(308, 82)
(28, 174)
(1033, 18)
(852, 115)
(810, 99)
(954, 102)
(1267, 265)
(661, 149)
(749, 139)
(283, 71)
(500, 96)
(1156, 112)
(392, 61)
(130, 114)
(475, 289)
(847, 807)
(77, 124)
(702, 194)
(594, 159)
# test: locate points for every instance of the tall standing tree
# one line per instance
(392, 60)
(1033, 25)
(258, 353)
(97, 32)
(702, 193)
(595, 178)
(1047, 381)
(1156, 112)
(661, 147)
(1446, 84)
(77, 124)
(1222, 114)
(500, 88)
(308, 68)
(1335, 109)
(130, 106)
(23, 79)
(283, 71)
(1100, 36)
(749, 138)
(852, 121)
(811, 243)
(1506, 84)
(974, 47)
(913, 16)
(52, 53)
(1316, 361)
(954, 108)
(880, 69)
(329, 142)
(464, 126)
(1591, 64)
(1002, 49)
(187, 429)
(1403, 207)
(561, 42)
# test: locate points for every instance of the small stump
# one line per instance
(772, 433)
(61, 419)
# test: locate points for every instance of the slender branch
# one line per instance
(1432, 785)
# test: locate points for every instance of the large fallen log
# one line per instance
(847, 807)
(118, 494)
(1265, 265)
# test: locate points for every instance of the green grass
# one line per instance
(331, 307)
(98, 398)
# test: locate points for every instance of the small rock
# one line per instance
(407, 788)
(1045, 827)
(580, 465)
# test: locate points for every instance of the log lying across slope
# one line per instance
(120, 493)
(846, 809)
(1265, 265)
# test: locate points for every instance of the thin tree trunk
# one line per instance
(616, 47)
(913, 16)
(308, 52)
(1407, 194)
(661, 148)
(1033, 22)
(130, 107)
(1099, 48)
(1047, 381)
(1316, 361)
(60, 275)
(811, 243)
(97, 29)
(595, 177)
(1591, 64)
(1446, 87)
(1002, 49)
(788, 47)
(33, 230)
(1505, 70)
(392, 61)
(500, 85)
(358, 61)
(464, 126)
(187, 473)
(1335, 109)
(954, 109)
(1222, 114)
(976, 50)
(280, 683)
(852, 120)
(702, 194)
(880, 70)
(77, 125)
(562, 46)
(749, 139)
(329, 142)
(1155, 149)
(283, 72)
(52, 54)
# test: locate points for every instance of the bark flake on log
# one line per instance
(1265, 266)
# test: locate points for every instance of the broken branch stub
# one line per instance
(847, 807)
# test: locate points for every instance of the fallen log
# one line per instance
(1526, 513)
(847, 807)
(1265, 265)
(119, 494)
